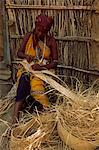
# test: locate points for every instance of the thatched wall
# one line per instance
(74, 27)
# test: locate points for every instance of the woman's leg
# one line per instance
(17, 108)
(23, 91)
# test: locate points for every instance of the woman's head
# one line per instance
(42, 25)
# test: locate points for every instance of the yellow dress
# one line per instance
(41, 56)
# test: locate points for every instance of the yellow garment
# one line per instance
(37, 85)
(29, 50)
(38, 90)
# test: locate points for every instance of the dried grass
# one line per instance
(78, 123)
(7, 102)
(74, 120)
(33, 132)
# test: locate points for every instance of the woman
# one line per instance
(40, 48)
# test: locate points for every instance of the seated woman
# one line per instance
(39, 47)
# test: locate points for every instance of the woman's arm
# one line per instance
(21, 51)
(54, 54)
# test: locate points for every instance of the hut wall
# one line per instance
(75, 29)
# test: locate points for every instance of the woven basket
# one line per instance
(74, 142)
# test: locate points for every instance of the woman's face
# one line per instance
(40, 32)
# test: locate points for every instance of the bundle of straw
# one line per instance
(32, 133)
(20, 139)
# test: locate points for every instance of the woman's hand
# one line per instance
(29, 58)
(36, 67)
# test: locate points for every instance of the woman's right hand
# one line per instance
(29, 58)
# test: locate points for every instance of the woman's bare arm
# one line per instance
(54, 54)
(21, 51)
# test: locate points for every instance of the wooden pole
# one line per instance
(79, 70)
(69, 7)
(7, 59)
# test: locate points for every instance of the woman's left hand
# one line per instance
(36, 67)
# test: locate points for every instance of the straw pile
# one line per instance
(7, 101)
(74, 119)
(30, 134)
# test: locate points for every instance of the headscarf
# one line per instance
(44, 21)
